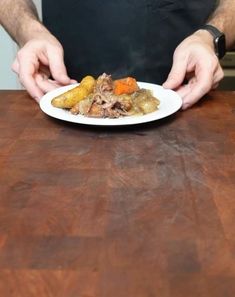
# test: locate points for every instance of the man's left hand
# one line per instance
(194, 60)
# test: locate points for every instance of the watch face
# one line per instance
(221, 45)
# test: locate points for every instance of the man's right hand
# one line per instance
(40, 65)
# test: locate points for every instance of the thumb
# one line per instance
(177, 73)
(57, 66)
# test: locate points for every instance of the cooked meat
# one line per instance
(104, 83)
(104, 103)
(96, 111)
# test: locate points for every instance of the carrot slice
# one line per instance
(126, 85)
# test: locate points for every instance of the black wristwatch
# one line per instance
(219, 40)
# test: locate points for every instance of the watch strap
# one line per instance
(218, 38)
(213, 30)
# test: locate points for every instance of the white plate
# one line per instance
(170, 102)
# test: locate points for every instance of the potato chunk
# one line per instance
(75, 95)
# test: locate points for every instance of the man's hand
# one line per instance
(40, 66)
(40, 61)
(194, 60)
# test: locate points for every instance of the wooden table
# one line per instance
(144, 211)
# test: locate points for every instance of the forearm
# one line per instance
(20, 19)
(224, 19)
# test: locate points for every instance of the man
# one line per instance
(152, 40)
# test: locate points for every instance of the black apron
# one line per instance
(125, 37)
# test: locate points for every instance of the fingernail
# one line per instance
(164, 85)
(167, 84)
(67, 78)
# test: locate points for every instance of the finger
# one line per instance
(183, 90)
(27, 69)
(218, 76)
(215, 86)
(45, 84)
(73, 81)
(57, 66)
(201, 86)
(44, 68)
(177, 73)
(43, 58)
(15, 66)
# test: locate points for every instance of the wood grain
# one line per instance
(142, 211)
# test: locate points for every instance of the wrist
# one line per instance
(219, 25)
(30, 29)
(206, 37)
(219, 40)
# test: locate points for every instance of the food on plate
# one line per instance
(144, 102)
(107, 98)
(125, 86)
(71, 97)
